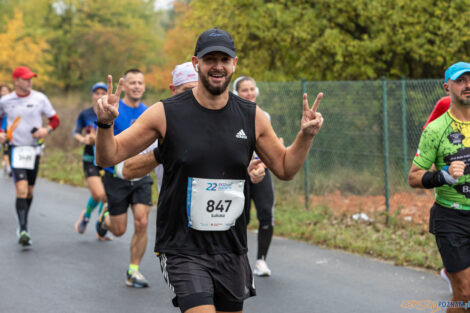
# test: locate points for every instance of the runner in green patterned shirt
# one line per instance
(446, 143)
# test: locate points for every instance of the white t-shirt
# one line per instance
(159, 173)
(30, 110)
(159, 169)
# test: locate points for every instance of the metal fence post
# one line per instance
(405, 130)
(385, 140)
(306, 183)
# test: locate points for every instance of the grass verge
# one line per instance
(403, 243)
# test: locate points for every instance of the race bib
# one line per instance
(214, 204)
(23, 157)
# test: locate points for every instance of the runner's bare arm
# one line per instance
(286, 162)
(90, 138)
(139, 166)
(415, 176)
(110, 149)
(80, 138)
(3, 136)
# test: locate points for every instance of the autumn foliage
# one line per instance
(18, 48)
(74, 43)
(178, 47)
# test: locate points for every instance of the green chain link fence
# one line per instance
(369, 137)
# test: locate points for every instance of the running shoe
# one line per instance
(261, 268)
(136, 279)
(100, 230)
(446, 278)
(80, 225)
(24, 239)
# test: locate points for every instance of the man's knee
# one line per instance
(98, 196)
(22, 190)
(117, 231)
(462, 291)
(141, 224)
(22, 194)
(141, 213)
(461, 285)
(117, 224)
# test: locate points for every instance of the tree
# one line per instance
(330, 40)
(20, 48)
(178, 47)
(89, 39)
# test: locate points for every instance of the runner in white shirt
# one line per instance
(24, 109)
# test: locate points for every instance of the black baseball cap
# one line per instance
(214, 40)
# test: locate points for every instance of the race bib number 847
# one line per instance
(214, 204)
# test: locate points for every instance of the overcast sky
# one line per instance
(163, 4)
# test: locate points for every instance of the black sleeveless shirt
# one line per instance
(202, 143)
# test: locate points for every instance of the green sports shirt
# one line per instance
(445, 140)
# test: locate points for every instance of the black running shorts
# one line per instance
(24, 174)
(90, 169)
(122, 193)
(223, 280)
(452, 230)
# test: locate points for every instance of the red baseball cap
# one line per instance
(23, 72)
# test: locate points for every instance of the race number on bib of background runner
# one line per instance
(23, 157)
(214, 204)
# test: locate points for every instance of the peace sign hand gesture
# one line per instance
(107, 107)
(311, 119)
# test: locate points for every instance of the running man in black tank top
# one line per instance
(207, 136)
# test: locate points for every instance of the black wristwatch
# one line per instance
(103, 125)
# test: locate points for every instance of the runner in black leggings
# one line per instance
(262, 193)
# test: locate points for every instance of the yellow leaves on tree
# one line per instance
(20, 48)
(178, 47)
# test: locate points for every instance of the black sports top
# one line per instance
(202, 143)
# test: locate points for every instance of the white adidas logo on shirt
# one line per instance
(241, 134)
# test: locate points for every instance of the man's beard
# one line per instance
(24, 90)
(462, 101)
(215, 90)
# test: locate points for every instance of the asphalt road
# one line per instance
(67, 272)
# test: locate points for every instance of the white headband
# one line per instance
(184, 73)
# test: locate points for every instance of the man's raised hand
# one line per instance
(311, 119)
(107, 108)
